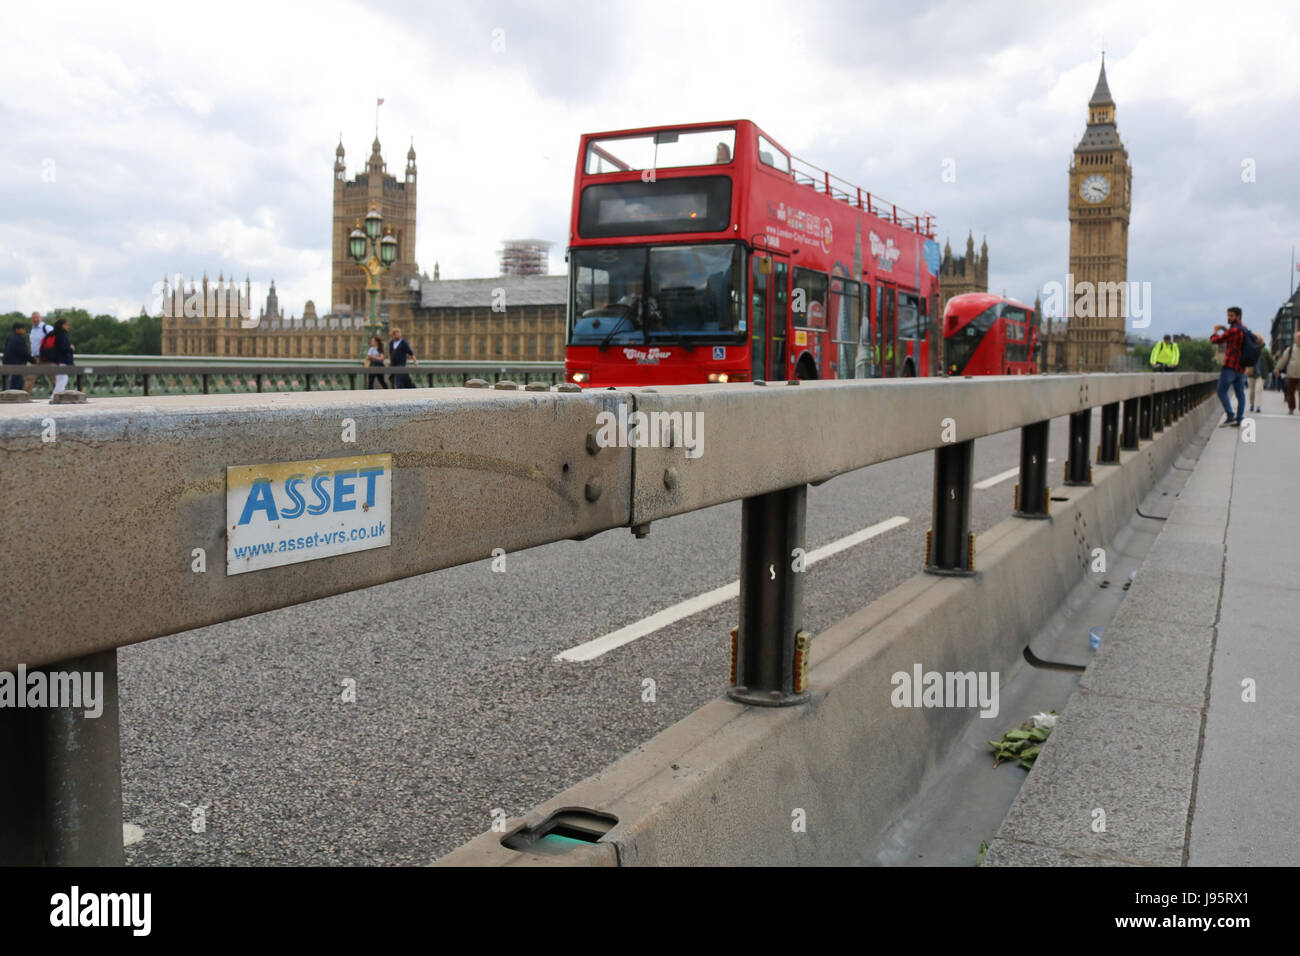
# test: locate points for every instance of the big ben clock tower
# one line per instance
(1101, 183)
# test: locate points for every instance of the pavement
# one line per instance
(1181, 744)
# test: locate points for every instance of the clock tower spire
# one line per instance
(1101, 183)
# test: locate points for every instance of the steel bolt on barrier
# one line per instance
(61, 792)
(1108, 448)
(949, 544)
(1129, 442)
(1032, 496)
(767, 657)
(1078, 468)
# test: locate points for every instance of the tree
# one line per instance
(1198, 355)
(103, 334)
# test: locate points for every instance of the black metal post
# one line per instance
(1158, 412)
(259, 381)
(146, 383)
(205, 383)
(1032, 492)
(764, 668)
(1130, 437)
(949, 544)
(1144, 418)
(61, 791)
(1078, 469)
(1108, 449)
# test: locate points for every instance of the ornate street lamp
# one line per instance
(374, 255)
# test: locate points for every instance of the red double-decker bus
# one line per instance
(987, 334)
(707, 253)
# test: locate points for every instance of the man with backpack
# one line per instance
(1241, 348)
(1164, 357)
(56, 349)
(40, 328)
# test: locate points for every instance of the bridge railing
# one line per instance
(109, 378)
(156, 486)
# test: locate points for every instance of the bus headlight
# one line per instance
(578, 377)
(719, 377)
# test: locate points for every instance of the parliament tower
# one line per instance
(395, 200)
(1101, 184)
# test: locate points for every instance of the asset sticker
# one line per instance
(289, 512)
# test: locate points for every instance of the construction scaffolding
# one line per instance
(525, 257)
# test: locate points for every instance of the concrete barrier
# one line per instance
(733, 784)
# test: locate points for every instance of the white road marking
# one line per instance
(1001, 477)
(131, 834)
(702, 602)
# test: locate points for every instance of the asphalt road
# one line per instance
(238, 746)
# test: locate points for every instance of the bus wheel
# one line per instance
(909, 369)
(806, 370)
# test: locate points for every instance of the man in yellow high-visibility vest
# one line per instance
(1164, 357)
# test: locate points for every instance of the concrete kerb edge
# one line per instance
(1017, 845)
(720, 785)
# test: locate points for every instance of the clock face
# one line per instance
(1095, 188)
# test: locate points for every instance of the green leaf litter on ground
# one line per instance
(1022, 744)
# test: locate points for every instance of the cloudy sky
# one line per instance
(144, 139)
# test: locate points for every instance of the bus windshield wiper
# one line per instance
(604, 343)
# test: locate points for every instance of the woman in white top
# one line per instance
(375, 357)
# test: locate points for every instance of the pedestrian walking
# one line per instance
(1240, 348)
(399, 351)
(56, 349)
(40, 329)
(1164, 357)
(1289, 363)
(18, 351)
(1252, 380)
(375, 359)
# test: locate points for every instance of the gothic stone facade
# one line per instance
(507, 319)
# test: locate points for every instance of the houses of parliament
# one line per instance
(450, 319)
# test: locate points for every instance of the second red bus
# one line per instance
(985, 334)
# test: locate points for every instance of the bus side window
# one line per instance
(845, 314)
(758, 318)
(809, 301)
(864, 366)
(780, 318)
